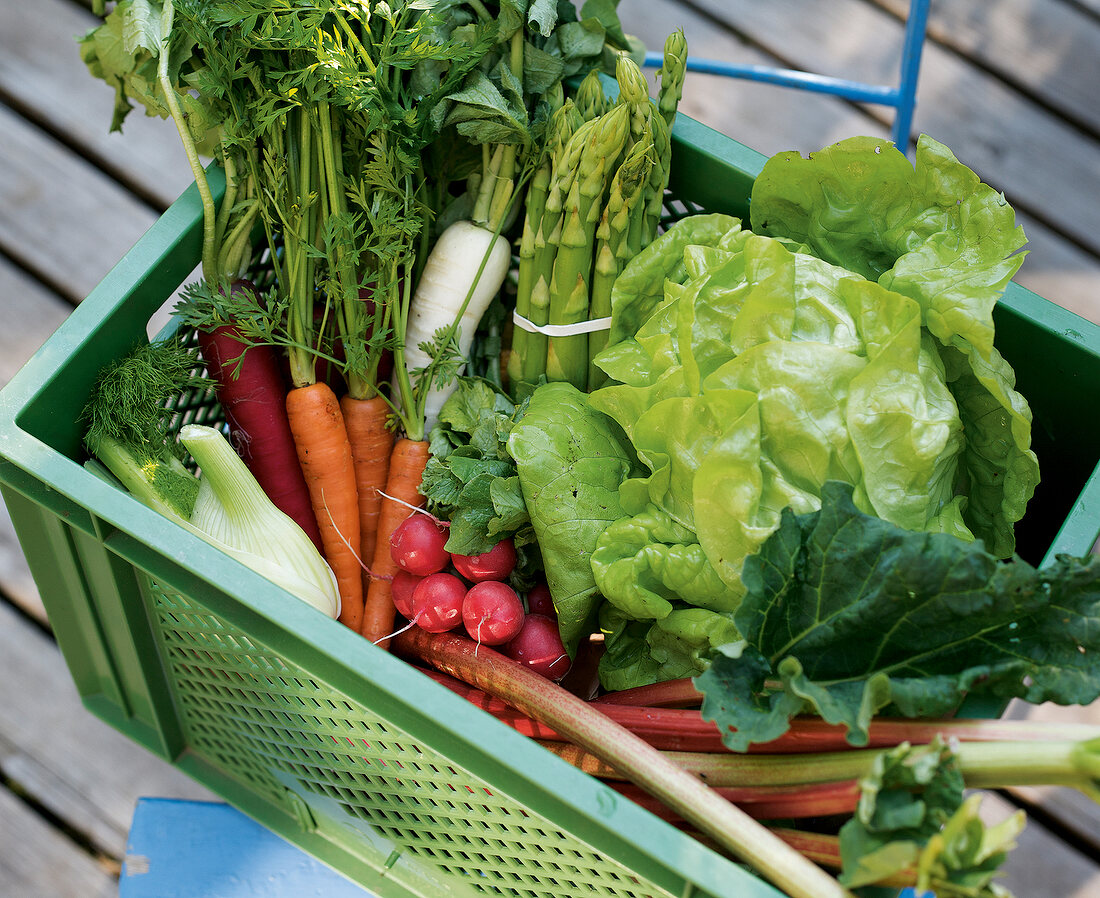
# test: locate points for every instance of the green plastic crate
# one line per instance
(342, 748)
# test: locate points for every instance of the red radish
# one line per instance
(496, 564)
(492, 612)
(417, 545)
(437, 602)
(252, 395)
(538, 646)
(539, 600)
(402, 590)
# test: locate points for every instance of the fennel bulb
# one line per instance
(233, 513)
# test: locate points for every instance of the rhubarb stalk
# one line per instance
(616, 746)
(983, 765)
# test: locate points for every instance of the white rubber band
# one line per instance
(562, 330)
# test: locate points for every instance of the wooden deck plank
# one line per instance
(1079, 814)
(1049, 49)
(1029, 152)
(1041, 865)
(64, 220)
(38, 860)
(765, 117)
(77, 767)
(42, 75)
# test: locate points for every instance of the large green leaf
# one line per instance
(571, 460)
(846, 614)
(930, 230)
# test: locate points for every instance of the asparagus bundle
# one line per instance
(595, 201)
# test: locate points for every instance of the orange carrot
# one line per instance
(371, 445)
(402, 486)
(325, 456)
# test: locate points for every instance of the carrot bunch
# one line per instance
(348, 136)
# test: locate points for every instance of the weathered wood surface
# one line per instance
(1009, 86)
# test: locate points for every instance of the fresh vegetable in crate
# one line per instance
(595, 201)
(748, 371)
(351, 176)
(129, 424)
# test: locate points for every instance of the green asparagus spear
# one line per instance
(634, 94)
(558, 131)
(613, 244)
(590, 98)
(672, 75)
(648, 122)
(566, 156)
(567, 357)
(658, 178)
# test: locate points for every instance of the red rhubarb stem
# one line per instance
(584, 725)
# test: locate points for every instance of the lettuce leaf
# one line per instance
(934, 232)
(768, 374)
(570, 461)
(678, 645)
(847, 614)
(848, 337)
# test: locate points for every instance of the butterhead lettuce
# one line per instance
(852, 343)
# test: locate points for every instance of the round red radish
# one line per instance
(492, 612)
(538, 646)
(401, 588)
(437, 602)
(496, 564)
(539, 600)
(417, 545)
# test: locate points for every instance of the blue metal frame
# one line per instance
(902, 97)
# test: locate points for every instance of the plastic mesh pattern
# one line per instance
(264, 722)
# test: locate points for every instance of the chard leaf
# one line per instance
(852, 614)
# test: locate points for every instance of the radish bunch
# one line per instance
(440, 591)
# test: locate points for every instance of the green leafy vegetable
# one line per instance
(680, 644)
(470, 479)
(932, 231)
(847, 614)
(748, 370)
(571, 460)
(912, 818)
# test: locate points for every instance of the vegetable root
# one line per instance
(402, 494)
(371, 444)
(325, 456)
(252, 395)
(462, 275)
